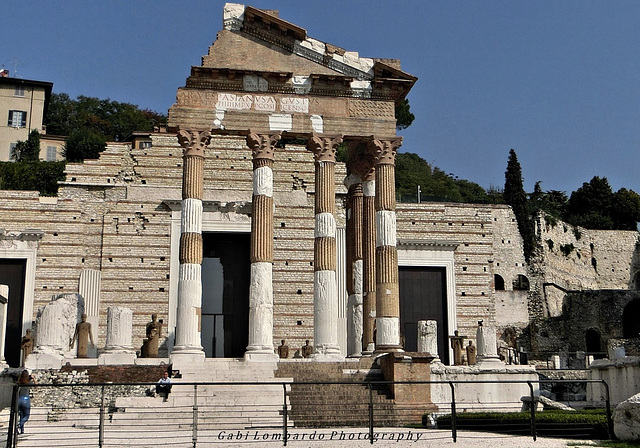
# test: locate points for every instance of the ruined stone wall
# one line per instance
(573, 258)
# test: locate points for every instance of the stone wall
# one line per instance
(574, 258)
(114, 214)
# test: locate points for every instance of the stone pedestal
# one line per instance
(413, 368)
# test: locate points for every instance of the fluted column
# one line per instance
(190, 276)
(387, 296)
(325, 296)
(369, 260)
(261, 289)
(354, 265)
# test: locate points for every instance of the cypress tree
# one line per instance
(515, 196)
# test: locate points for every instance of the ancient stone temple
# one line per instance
(241, 225)
(267, 85)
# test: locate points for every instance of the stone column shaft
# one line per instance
(190, 274)
(387, 295)
(325, 298)
(369, 260)
(261, 289)
(354, 266)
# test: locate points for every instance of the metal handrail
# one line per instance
(370, 385)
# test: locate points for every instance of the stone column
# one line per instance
(369, 260)
(119, 330)
(387, 299)
(261, 289)
(188, 341)
(325, 294)
(487, 345)
(354, 265)
(428, 337)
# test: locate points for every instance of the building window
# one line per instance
(19, 91)
(52, 152)
(12, 151)
(142, 145)
(17, 119)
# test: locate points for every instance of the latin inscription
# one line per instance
(232, 101)
(264, 103)
(292, 105)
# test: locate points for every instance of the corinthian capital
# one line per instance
(193, 142)
(262, 145)
(324, 147)
(385, 150)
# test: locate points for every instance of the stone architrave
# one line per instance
(188, 345)
(428, 337)
(260, 346)
(626, 419)
(487, 344)
(325, 295)
(387, 287)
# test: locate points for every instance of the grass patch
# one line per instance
(590, 424)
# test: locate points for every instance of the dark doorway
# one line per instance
(594, 343)
(630, 321)
(423, 296)
(226, 272)
(12, 273)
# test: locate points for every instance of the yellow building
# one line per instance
(23, 105)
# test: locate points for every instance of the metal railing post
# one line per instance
(534, 433)
(370, 413)
(194, 436)
(608, 405)
(284, 414)
(13, 417)
(101, 424)
(454, 430)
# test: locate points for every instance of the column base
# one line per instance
(388, 349)
(493, 361)
(186, 358)
(261, 356)
(320, 357)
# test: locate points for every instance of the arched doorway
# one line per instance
(498, 281)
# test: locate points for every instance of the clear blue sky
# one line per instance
(558, 81)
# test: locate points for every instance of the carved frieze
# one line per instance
(360, 108)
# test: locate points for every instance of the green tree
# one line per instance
(515, 196)
(625, 210)
(590, 205)
(553, 202)
(84, 143)
(404, 117)
(28, 150)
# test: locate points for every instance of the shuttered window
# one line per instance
(17, 119)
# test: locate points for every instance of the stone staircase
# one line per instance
(322, 405)
(229, 406)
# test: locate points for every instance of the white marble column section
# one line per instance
(428, 337)
(4, 299)
(325, 297)
(261, 343)
(119, 330)
(487, 345)
(188, 340)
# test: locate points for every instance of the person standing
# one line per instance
(24, 402)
